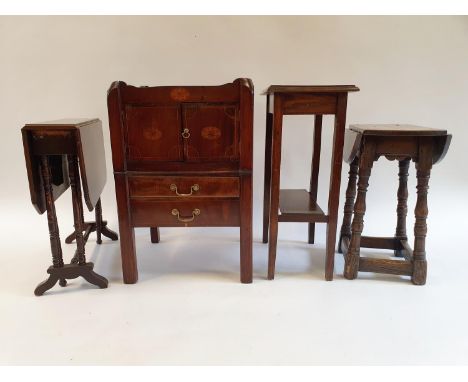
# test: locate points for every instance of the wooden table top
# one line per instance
(396, 129)
(310, 89)
(397, 136)
(72, 123)
(87, 142)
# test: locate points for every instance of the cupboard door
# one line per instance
(153, 133)
(210, 132)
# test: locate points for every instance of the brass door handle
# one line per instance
(193, 189)
(186, 133)
(182, 219)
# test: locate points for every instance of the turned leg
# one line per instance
(55, 245)
(349, 203)
(275, 185)
(70, 238)
(98, 215)
(77, 202)
(154, 232)
(315, 170)
(365, 167)
(246, 262)
(423, 172)
(402, 207)
(267, 183)
(78, 267)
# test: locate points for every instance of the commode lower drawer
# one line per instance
(185, 212)
(143, 186)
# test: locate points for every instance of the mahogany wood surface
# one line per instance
(300, 205)
(315, 168)
(214, 132)
(335, 183)
(151, 144)
(182, 156)
(154, 234)
(61, 154)
(403, 143)
(246, 212)
(274, 181)
(157, 212)
(310, 89)
(267, 171)
(309, 104)
(178, 186)
(81, 137)
(99, 226)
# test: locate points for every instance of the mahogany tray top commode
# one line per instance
(182, 156)
(301, 205)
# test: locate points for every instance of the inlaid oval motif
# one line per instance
(152, 134)
(211, 132)
(179, 94)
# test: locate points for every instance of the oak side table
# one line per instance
(57, 153)
(364, 145)
(288, 205)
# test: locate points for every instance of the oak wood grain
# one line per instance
(403, 143)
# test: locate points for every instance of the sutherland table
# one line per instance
(301, 205)
(56, 153)
(182, 157)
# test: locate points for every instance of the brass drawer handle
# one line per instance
(186, 133)
(194, 188)
(182, 219)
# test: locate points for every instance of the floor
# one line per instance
(189, 308)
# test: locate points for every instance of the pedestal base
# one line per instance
(70, 271)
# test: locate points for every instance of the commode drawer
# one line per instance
(185, 213)
(183, 186)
